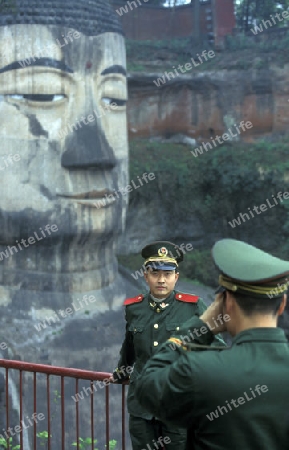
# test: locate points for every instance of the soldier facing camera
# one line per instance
(150, 320)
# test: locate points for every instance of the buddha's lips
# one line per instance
(92, 195)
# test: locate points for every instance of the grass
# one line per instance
(241, 53)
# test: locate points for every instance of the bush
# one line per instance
(217, 186)
(199, 266)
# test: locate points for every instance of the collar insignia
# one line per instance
(158, 307)
(164, 305)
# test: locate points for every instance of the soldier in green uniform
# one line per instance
(236, 398)
(151, 319)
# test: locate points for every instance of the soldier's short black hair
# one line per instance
(90, 17)
(252, 305)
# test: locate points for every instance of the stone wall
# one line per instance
(143, 21)
(205, 104)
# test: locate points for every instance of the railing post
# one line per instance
(107, 415)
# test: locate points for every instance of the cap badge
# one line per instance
(162, 251)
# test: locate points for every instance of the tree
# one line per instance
(251, 12)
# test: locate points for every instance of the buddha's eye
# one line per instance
(36, 97)
(116, 104)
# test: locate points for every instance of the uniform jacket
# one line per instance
(233, 399)
(146, 329)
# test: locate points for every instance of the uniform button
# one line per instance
(156, 325)
(177, 328)
(155, 343)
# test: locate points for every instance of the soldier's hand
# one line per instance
(119, 376)
(213, 316)
(111, 379)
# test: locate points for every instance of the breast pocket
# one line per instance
(137, 331)
(173, 327)
(134, 328)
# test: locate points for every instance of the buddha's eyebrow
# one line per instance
(43, 62)
(114, 69)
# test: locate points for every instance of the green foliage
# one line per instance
(143, 49)
(135, 67)
(43, 436)
(83, 443)
(57, 396)
(198, 265)
(244, 42)
(241, 52)
(132, 261)
(112, 444)
(58, 332)
(86, 443)
(164, 53)
(217, 186)
(251, 11)
(8, 7)
(239, 42)
(4, 444)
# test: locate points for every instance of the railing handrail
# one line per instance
(55, 370)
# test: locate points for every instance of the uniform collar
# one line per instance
(161, 306)
(166, 300)
(260, 335)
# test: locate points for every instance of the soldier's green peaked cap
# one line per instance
(249, 270)
(163, 255)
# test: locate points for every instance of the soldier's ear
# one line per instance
(282, 305)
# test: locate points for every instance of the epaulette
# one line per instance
(130, 301)
(189, 298)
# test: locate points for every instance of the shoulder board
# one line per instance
(191, 346)
(188, 298)
(130, 301)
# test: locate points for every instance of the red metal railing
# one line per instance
(31, 391)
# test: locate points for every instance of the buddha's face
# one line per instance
(63, 123)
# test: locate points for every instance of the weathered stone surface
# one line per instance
(205, 104)
(63, 151)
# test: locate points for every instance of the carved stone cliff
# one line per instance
(205, 104)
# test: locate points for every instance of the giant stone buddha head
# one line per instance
(64, 151)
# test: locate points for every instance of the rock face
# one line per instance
(64, 154)
(205, 104)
